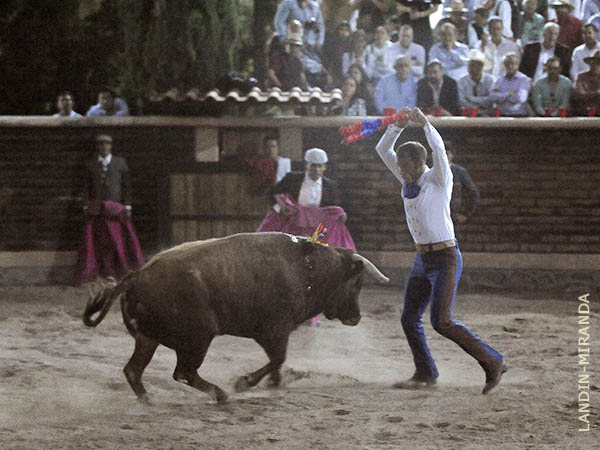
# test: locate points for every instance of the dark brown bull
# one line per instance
(259, 286)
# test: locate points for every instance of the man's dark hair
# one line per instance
(483, 12)
(592, 25)
(109, 90)
(413, 150)
(269, 137)
(64, 93)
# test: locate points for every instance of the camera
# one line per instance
(419, 5)
(312, 24)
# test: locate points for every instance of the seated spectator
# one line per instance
(457, 16)
(64, 104)
(358, 53)
(108, 105)
(495, 46)
(536, 54)
(419, 21)
(586, 90)
(353, 104)
(552, 92)
(397, 90)
(366, 90)
(478, 26)
(475, 88)
(336, 44)
(375, 63)
(308, 12)
(315, 71)
(437, 91)
(570, 27)
(588, 48)
(532, 23)
(588, 9)
(406, 46)
(510, 92)
(503, 10)
(452, 54)
(371, 14)
(286, 70)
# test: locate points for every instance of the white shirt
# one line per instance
(416, 53)
(375, 62)
(496, 53)
(478, 97)
(545, 54)
(71, 114)
(283, 167)
(577, 64)
(310, 192)
(428, 214)
(105, 161)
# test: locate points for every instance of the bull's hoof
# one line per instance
(219, 395)
(242, 384)
(274, 381)
(144, 399)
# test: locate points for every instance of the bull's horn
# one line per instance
(370, 268)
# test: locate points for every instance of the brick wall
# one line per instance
(539, 181)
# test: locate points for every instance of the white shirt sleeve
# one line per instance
(441, 166)
(385, 149)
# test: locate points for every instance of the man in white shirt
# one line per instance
(475, 88)
(495, 46)
(64, 104)
(588, 48)
(271, 150)
(309, 188)
(451, 53)
(375, 63)
(438, 265)
(406, 46)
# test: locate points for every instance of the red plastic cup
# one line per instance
(591, 111)
(439, 111)
(473, 112)
(549, 112)
(463, 111)
(496, 112)
(389, 111)
(562, 112)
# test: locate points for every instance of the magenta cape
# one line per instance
(110, 245)
(305, 220)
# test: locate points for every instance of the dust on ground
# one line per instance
(62, 386)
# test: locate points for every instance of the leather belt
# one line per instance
(436, 246)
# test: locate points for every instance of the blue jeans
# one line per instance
(434, 279)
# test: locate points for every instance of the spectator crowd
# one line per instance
(514, 58)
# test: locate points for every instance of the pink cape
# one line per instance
(305, 220)
(110, 245)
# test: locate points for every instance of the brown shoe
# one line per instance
(415, 383)
(493, 375)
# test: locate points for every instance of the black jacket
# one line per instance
(531, 56)
(292, 182)
(113, 185)
(448, 95)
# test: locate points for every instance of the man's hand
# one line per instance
(344, 218)
(403, 122)
(460, 218)
(417, 116)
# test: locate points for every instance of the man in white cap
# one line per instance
(309, 188)
(571, 28)
(475, 88)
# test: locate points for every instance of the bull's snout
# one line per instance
(352, 321)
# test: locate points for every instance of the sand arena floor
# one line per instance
(62, 386)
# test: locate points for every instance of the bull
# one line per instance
(253, 285)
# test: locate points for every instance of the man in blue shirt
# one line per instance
(397, 90)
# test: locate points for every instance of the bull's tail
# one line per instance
(101, 301)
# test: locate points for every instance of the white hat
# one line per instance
(315, 156)
(476, 55)
(103, 138)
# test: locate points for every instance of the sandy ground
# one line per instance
(62, 387)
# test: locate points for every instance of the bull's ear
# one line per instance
(355, 268)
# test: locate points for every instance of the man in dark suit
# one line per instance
(308, 188)
(110, 246)
(437, 94)
(536, 54)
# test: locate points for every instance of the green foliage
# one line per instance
(134, 46)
